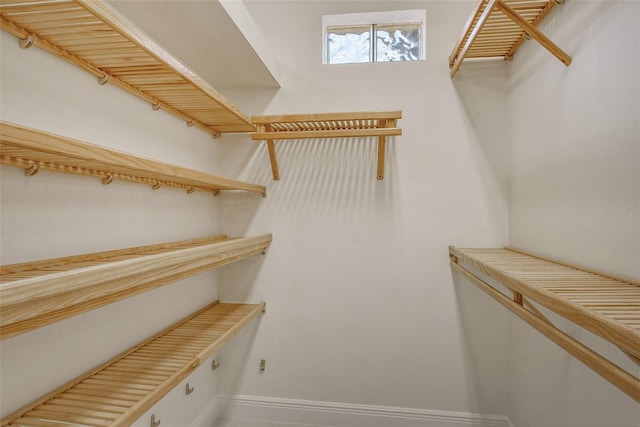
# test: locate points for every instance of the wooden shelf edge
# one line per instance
(378, 124)
(230, 117)
(235, 318)
(508, 24)
(33, 302)
(357, 115)
(616, 332)
(338, 133)
(577, 267)
(25, 147)
(129, 31)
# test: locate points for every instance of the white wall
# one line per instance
(53, 215)
(575, 196)
(361, 307)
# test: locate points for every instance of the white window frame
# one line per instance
(376, 18)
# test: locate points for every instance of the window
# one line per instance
(374, 37)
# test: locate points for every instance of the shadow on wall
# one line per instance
(482, 90)
(234, 360)
(321, 180)
(237, 282)
(484, 336)
(573, 27)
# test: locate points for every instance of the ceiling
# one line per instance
(216, 39)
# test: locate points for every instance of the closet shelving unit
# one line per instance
(34, 149)
(123, 389)
(94, 37)
(606, 305)
(378, 124)
(35, 294)
(497, 28)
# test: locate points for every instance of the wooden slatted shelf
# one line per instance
(93, 36)
(123, 389)
(497, 28)
(606, 305)
(379, 124)
(34, 149)
(35, 294)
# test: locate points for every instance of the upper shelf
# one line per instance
(497, 28)
(35, 294)
(606, 305)
(35, 149)
(327, 125)
(93, 36)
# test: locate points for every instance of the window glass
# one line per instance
(396, 42)
(389, 36)
(347, 45)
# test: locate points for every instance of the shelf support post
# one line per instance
(271, 147)
(481, 21)
(617, 376)
(533, 32)
(517, 298)
(382, 143)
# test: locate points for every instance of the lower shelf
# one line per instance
(603, 304)
(120, 391)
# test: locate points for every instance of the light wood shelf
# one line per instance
(123, 389)
(606, 305)
(378, 124)
(34, 149)
(35, 294)
(93, 36)
(497, 28)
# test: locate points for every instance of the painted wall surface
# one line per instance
(52, 215)
(361, 307)
(575, 196)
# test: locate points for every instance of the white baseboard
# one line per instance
(340, 414)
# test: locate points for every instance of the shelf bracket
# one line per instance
(27, 42)
(533, 32)
(107, 179)
(617, 376)
(518, 298)
(32, 170)
(271, 147)
(104, 79)
(327, 125)
(154, 423)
